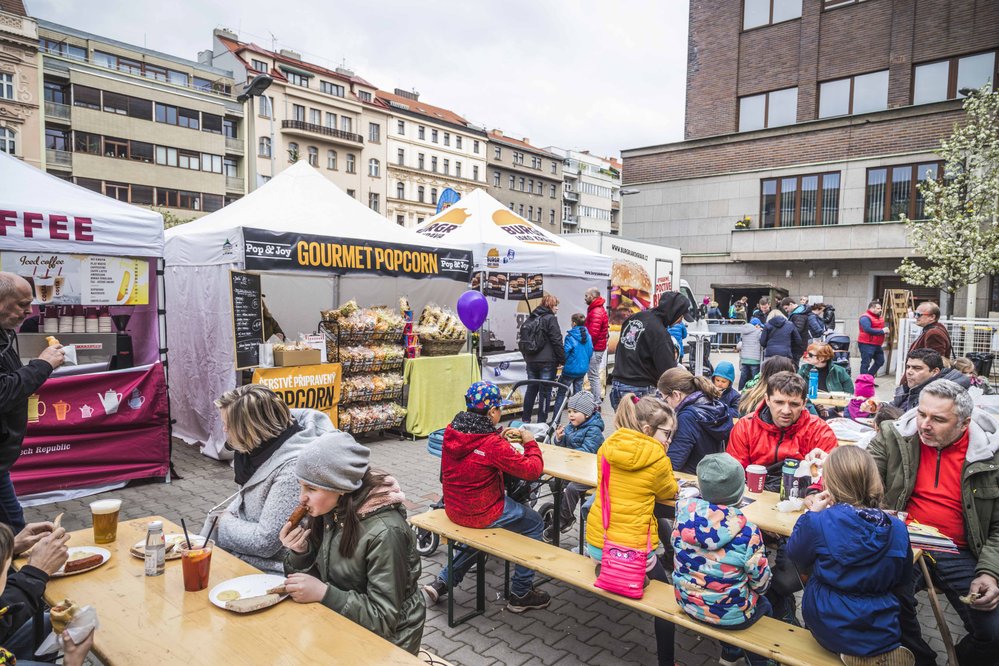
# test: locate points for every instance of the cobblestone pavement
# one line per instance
(578, 627)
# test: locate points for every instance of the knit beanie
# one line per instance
(725, 370)
(755, 321)
(864, 386)
(334, 461)
(583, 402)
(721, 478)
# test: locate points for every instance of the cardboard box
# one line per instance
(284, 359)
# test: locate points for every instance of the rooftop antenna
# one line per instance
(274, 41)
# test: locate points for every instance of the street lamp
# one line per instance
(255, 88)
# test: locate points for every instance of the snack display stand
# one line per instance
(313, 247)
(106, 419)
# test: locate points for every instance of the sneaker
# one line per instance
(900, 656)
(435, 591)
(567, 525)
(532, 600)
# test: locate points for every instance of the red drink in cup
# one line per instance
(197, 563)
(756, 476)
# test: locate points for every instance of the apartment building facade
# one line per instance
(430, 149)
(809, 124)
(20, 106)
(591, 199)
(526, 178)
(138, 125)
(329, 118)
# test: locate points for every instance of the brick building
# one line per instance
(810, 122)
(526, 178)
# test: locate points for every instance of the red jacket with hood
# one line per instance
(597, 324)
(473, 461)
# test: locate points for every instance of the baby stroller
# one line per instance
(519, 490)
(841, 349)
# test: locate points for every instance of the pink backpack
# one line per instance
(622, 569)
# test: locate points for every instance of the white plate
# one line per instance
(247, 586)
(139, 549)
(89, 550)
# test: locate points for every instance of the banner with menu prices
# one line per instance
(80, 279)
(305, 386)
(94, 429)
(288, 251)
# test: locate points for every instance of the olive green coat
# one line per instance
(896, 450)
(378, 588)
(837, 381)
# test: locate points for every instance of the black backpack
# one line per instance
(532, 336)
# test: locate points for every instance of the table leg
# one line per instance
(558, 487)
(948, 641)
(480, 586)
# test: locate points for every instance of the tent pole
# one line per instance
(163, 349)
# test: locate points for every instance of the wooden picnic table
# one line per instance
(152, 620)
(829, 401)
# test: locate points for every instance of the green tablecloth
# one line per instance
(437, 386)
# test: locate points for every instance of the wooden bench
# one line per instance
(777, 640)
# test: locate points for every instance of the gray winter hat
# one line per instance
(721, 478)
(583, 402)
(334, 461)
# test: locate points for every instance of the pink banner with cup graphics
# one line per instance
(87, 430)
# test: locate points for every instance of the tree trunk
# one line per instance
(950, 303)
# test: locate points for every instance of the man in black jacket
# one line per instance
(17, 383)
(543, 363)
(645, 349)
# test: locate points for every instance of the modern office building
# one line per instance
(20, 106)
(329, 117)
(138, 125)
(591, 198)
(809, 124)
(526, 178)
(430, 149)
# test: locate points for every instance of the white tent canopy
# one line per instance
(502, 240)
(42, 213)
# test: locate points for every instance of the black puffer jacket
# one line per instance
(554, 350)
(645, 349)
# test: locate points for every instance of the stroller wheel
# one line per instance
(547, 513)
(426, 542)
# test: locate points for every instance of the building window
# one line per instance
(457, 142)
(401, 157)
(351, 163)
(230, 168)
(6, 86)
(475, 147)
(551, 191)
(530, 186)
(364, 95)
(522, 181)
(374, 168)
(7, 142)
(264, 106)
(374, 133)
(400, 220)
(475, 172)
(420, 161)
(298, 112)
(767, 12)
(498, 153)
(330, 120)
(89, 98)
(260, 66)
(346, 124)
(447, 138)
(168, 156)
(352, 193)
(433, 163)
(331, 160)
(401, 127)
(373, 201)
(185, 159)
(513, 182)
(142, 195)
(421, 132)
(85, 142)
(293, 154)
(313, 156)
(937, 81)
(892, 192)
(400, 190)
(62, 49)
(833, 4)
(447, 167)
(551, 217)
(554, 168)
(496, 178)
(520, 210)
(857, 94)
(331, 88)
(421, 192)
(800, 201)
(772, 109)
(433, 196)
(530, 212)
(211, 123)
(297, 79)
(188, 118)
(141, 151)
(315, 116)
(56, 139)
(264, 147)
(229, 128)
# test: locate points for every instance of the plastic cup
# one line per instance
(197, 564)
(756, 476)
(105, 517)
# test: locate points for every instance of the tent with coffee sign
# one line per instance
(307, 246)
(92, 265)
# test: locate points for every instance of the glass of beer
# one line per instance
(197, 564)
(105, 515)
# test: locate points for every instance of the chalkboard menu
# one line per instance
(247, 318)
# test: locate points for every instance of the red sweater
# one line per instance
(596, 323)
(936, 497)
(756, 440)
(472, 467)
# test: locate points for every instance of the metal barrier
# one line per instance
(978, 339)
(727, 332)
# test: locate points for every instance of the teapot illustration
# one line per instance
(136, 400)
(86, 411)
(110, 400)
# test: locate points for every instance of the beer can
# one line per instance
(787, 473)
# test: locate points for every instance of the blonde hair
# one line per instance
(253, 414)
(642, 414)
(822, 351)
(680, 379)
(775, 314)
(851, 476)
(964, 365)
(752, 398)
(548, 300)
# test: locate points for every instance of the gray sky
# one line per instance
(594, 75)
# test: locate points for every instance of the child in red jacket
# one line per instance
(473, 461)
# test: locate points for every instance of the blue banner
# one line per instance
(447, 199)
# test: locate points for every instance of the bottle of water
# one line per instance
(155, 549)
(813, 384)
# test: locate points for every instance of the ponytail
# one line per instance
(679, 379)
(642, 414)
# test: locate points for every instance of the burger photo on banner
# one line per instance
(631, 292)
(495, 285)
(517, 287)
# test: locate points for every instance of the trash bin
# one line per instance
(983, 362)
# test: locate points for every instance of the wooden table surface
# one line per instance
(154, 621)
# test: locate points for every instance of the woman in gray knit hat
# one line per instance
(354, 552)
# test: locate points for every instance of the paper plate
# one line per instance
(81, 550)
(247, 586)
(139, 549)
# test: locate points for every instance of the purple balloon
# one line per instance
(472, 309)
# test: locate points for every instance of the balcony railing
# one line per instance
(570, 196)
(319, 129)
(234, 146)
(57, 110)
(59, 158)
(234, 184)
(569, 219)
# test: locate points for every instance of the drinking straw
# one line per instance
(211, 530)
(186, 535)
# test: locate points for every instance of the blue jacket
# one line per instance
(816, 327)
(730, 398)
(857, 556)
(679, 333)
(587, 437)
(778, 338)
(578, 350)
(702, 428)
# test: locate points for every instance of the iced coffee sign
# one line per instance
(71, 279)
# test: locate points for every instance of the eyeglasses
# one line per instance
(668, 434)
(811, 355)
(922, 314)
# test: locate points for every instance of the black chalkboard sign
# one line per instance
(247, 318)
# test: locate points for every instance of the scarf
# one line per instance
(471, 423)
(245, 465)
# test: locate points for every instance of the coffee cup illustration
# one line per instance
(136, 400)
(110, 401)
(86, 411)
(44, 289)
(61, 409)
(36, 408)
